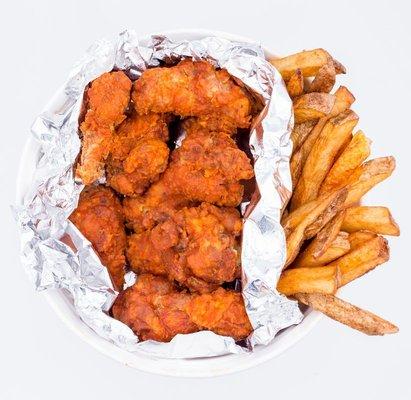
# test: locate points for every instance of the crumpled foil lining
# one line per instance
(56, 255)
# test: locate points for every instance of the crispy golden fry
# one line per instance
(309, 280)
(325, 217)
(358, 238)
(324, 81)
(326, 235)
(346, 313)
(366, 176)
(313, 106)
(295, 86)
(374, 219)
(312, 223)
(338, 247)
(309, 62)
(343, 100)
(321, 157)
(362, 259)
(293, 219)
(351, 158)
(300, 133)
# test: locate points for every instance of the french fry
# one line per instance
(324, 239)
(351, 158)
(366, 176)
(339, 68)
(321, 157)
(326, 235)
(324, 81)
(301, 132)
(313, 106)
(309, 280)
(362, 259)
(309, 62)
(338, 247)
(290, 221)
(374, 219)
(358, 238)
(312, 222)
(346, 313)
(295, 86)
(343, 100)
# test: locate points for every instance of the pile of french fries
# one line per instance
(331, 238)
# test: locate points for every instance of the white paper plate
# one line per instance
(201, 367)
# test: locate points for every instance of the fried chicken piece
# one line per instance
(154, 309)
(197, 247)
(193, 89)
(138, 153)
(107, 100)
(156, 206)
(99, 217)
(208, 167)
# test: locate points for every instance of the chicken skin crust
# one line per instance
(107, 100)
(197, 247)
(193, 88)
(154, 309)
(208, 167)
(138, 154)
(99, 217)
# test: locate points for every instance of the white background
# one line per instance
(40, 40)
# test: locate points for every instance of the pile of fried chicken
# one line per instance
(167, 212)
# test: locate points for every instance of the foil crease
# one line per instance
(56, 255)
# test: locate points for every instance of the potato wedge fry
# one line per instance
(358, 238)
(338, 247)
(327, 235)
(346, 313)
(324, 81)
(322, 242)
(343, 100)
(309, 280)
(313, 106)
(290, 221)
(312, 223)
(309, 62)
(322, 156)
(366, 176)
(325, 217)
(301, 132)
(362, 259)
(351, 158)
(339, 68)
(295, 86)
(374, 219)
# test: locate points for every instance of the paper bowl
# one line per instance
(200, 367)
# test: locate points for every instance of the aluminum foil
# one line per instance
(56, 255)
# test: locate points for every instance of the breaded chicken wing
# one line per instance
(107, 99)
(193, 89)
(197, 247)
(138, 154)
(99, 217)
(154, 309)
